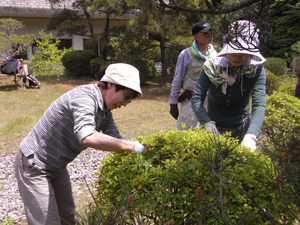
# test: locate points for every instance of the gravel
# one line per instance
(83, 167)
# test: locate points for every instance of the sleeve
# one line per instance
(82, 106)
(110, 127)
(258, 102)
(199, 95)
(182, 62)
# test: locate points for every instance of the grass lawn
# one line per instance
(22, 108)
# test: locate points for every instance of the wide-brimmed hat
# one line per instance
(123, 74)
(201, 26)
(244, 38)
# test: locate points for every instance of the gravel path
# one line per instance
(11, 205)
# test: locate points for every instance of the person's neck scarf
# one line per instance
(197, 54)
(217, 70)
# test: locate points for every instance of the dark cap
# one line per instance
(202, 26)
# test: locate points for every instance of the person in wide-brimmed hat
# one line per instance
(78, 119)
(231, 79)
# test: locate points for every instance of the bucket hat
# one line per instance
(123, 74)
(246, 41)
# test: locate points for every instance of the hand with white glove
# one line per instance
(211, 126)
(139, 148)
(250, 141)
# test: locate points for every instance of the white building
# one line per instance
(35, 13)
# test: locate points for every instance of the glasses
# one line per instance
(127, 97)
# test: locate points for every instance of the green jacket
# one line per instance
(230, 109)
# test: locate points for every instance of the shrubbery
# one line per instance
(146, 68)
(272, 83)
(277, 66)
(281, 142)
(281, 119)
(77, 63)
(98, 67)
(47, 60)
(289, 90)
(188, 177)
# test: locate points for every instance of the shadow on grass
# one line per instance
(11, 87)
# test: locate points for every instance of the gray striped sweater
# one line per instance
(56, 138)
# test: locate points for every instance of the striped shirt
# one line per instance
(56, 138)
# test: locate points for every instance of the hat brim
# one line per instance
(227, 49)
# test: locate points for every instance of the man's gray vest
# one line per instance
(192, 72)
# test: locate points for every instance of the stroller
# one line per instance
(32, 81)
(17, 67)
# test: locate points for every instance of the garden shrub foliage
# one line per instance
(281, 131)
(272, 82)
(277, 66)
(77, 63)
(191, 177)
(98, 67)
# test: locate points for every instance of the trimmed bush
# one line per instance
(77, 63)
(281, 119)
(277, 66)
(189, 177)
(272, 83)
(146, 68)
(289, 90)
(281, 142)
(98, 67)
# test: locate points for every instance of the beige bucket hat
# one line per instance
(125, 75)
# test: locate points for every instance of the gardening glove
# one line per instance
(186, 95)
(174, 111)
(250, 141)
(139, 148)
(211, 126)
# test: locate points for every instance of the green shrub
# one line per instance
(146, 68)
(189, 177)
(98, 67)
(277, 66)
(281, 118)
(281, 131)
(272, 82)
(77, 63)
(48, 60)
(289, 90)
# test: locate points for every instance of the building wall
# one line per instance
(35, 13)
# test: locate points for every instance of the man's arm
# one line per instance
(107, 143)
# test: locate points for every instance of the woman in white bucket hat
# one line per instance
(72, 123)
(231, 79)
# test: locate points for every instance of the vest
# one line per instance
(192, 72)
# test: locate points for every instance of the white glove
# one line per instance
(139, 148)
(250, 141)
(211, 126)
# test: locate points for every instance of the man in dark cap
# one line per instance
(188, 67)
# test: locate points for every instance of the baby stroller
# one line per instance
(32, 81)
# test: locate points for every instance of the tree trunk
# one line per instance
(91, 28)
(106, 38)
(164, 73)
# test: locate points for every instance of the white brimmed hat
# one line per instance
(123, 74)
(247, 41)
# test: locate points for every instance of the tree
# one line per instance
(70, 21)
(10, 43)
(47, 61)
